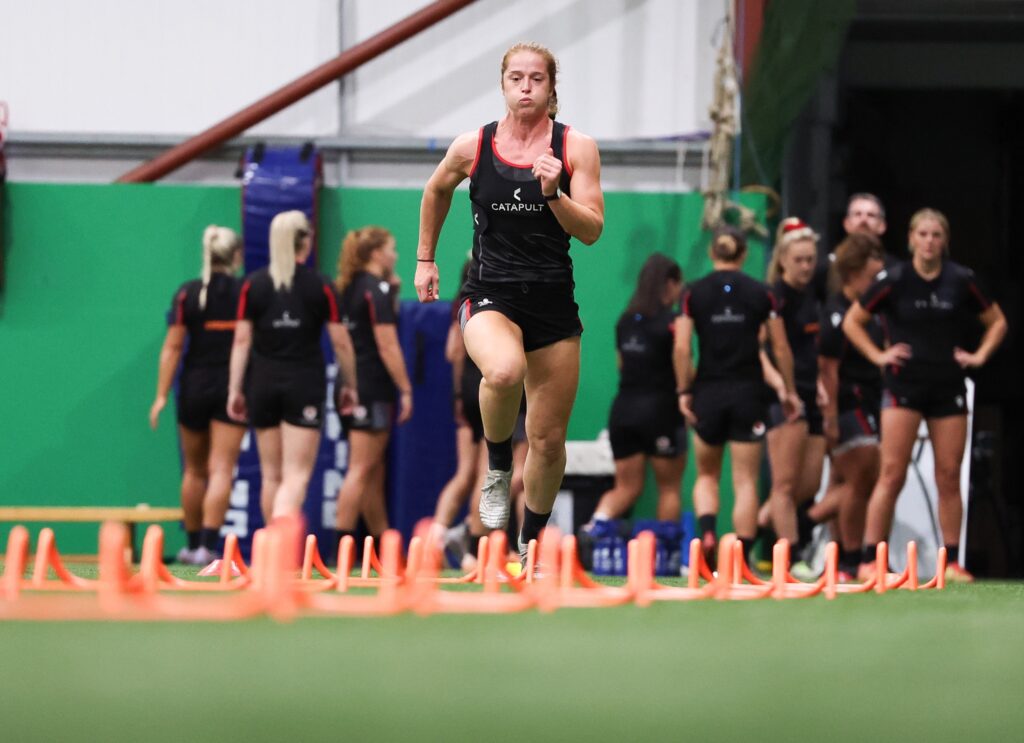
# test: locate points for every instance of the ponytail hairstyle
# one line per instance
(219, 247)
(287, 230)
(728, 244)
(549, 60)
(656, 272)
(852, 254)
(356, 249)
(791, 230)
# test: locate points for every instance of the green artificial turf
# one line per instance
(935, 666)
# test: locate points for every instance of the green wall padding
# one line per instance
(90, 274)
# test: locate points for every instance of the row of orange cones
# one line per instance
(278, 585)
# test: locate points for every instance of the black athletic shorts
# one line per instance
(370, 416)
(203, 397)
(653, 427)
(930, 400)
(812, 413)
(857, 427)
(729, 411)
(546, 313)
(291, 393)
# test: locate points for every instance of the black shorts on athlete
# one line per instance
(545, 313)
(729, 411)
(930, 400)
(203, 397)
(370, 416)
(811, 413)
(289, 393)
(632, 432)
(857, 427)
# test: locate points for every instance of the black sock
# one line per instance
(748, 546)
(499, 454)
(849, 560)
(532, 524)
(708, 523)
(474, 544)
(953, 552)
(193, 539)
(804, 524)
(209, 538)
(870, 554)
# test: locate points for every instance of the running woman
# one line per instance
(853, 386)
(282, 311)
(534, 184)
(365, 267)
(203, 313)
(928, 304)
(645, 424)
(729, 312)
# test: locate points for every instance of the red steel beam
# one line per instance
(326, 73)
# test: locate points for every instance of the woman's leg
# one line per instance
(373, 507)
(299, 447)
(809, 477)
(949, 437)
(786, 445)
(552, 377)
(746, 463)
(268, 444)
(629, 481)
(857, 471)
(226, 441)
(195, 449)
(668, 475)
(455, 491)
(364, 450)
(705, 494)
(899, 432)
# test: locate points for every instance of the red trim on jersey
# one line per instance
(369, 305)
(332, 304)
(565, 151)
(863, 421)
(982, 299)
(243, 297)
(479, 146)
(870, 306)
(179, 312)
(494, 146)
(686, 304)
(468, 306)
(774, 301)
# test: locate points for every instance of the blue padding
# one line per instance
(422, 453)
(278, 181)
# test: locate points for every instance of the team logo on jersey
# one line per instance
(663, 444)
(516, 206)
(309, 413)
(286, 321)
(384, 286)
(933, 302)
(728, 316)
(359, 412)
(484, 302)
(758, 428)
(634, 345)
(960, 401)
(837, 319)
(881, 275)
(515, 194)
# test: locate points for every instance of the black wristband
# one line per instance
(424, 260)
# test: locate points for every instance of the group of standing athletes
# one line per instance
(254, 358)
(839, 382)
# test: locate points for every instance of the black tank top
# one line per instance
(516, 238)
(210, 330)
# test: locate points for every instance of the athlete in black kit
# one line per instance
(853, 387)
(796, 449)
(727, 309)
(534, 183)
(203, 311)
(928, 303)
(366, 268)
(282, 311)
(645, 423)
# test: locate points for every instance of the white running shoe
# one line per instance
(204, 557)
(494, 499)
(186, 556)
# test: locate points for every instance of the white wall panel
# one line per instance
(162, 66)
(629, 68)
